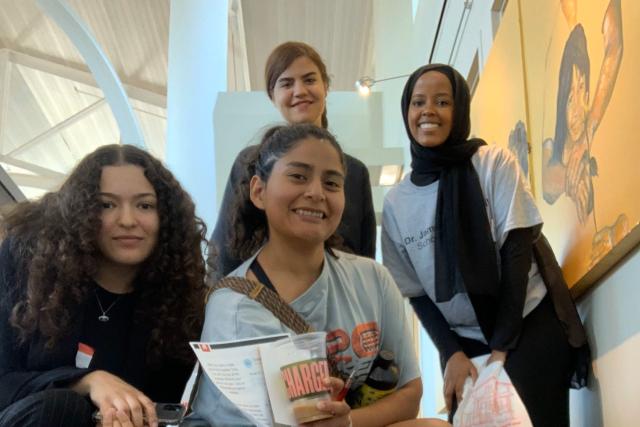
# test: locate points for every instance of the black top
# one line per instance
(121, 347)
(357, 228)
(515, 254)
(110, 339)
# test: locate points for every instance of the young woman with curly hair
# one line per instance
(101, 288)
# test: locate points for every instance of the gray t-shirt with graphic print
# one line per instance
(408, 227)
(354, 299)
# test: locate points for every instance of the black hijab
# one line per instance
(464, 257)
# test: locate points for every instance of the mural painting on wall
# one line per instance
(587, 157)
(498, 108)
(568, 166)
(562, 75)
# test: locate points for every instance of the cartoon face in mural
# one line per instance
(567, 165)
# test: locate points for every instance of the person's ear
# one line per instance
(256, 192)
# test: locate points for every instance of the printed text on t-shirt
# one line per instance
(422, 239)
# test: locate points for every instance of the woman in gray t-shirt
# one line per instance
(461, 237)
(285, 222)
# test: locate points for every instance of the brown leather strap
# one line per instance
(269, 299)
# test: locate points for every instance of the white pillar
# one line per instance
(393, 23)
(197, 73)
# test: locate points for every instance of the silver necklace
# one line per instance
(103, 317)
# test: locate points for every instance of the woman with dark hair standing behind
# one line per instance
(297, 83)
(101, 289)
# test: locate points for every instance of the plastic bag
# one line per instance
(492, 401)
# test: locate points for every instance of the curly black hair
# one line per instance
(63, 226)
(250, 227)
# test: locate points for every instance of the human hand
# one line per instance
(111, 395)
(577, 161)
(115, 418)
(497, 356)
(584, 196)
(578, 184)
(458, 368)
(340, 411)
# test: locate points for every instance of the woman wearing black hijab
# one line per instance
(461, 236)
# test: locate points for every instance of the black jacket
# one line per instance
(29, 368)
(357, 228)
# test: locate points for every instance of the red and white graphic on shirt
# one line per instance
(338, 343)
(364, 339)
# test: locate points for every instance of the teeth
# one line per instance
(428, 125)
(314, 214)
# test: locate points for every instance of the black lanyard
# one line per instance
(260, 274)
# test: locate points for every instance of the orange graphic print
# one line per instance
(365, 339)
(338, 342)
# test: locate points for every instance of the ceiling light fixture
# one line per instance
(364, 84)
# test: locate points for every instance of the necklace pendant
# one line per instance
(103, 318)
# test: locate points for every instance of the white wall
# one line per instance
(240, 118)
(612, 318)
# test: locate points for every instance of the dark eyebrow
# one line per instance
(335, 173)
(287, 79)
(135, 196)
(300, 165)
(308, 167)
(422, 95)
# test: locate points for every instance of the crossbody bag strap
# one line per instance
(268, 298)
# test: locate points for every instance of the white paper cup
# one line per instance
(303, 370)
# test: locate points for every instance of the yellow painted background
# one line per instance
(520, 82)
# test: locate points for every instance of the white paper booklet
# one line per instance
(247, 374)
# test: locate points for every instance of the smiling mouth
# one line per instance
(310, 213)
(427, 126)
(301, 103)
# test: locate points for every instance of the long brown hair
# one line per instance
(54, 241)
(281, 58)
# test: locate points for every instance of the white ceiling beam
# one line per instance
(45, 172)
(5, 95)
(35, 181)
(80, 76)
(57, 128)
(98, 62)
(8, 185)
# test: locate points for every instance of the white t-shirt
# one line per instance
(408, 237)
(354, 299)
